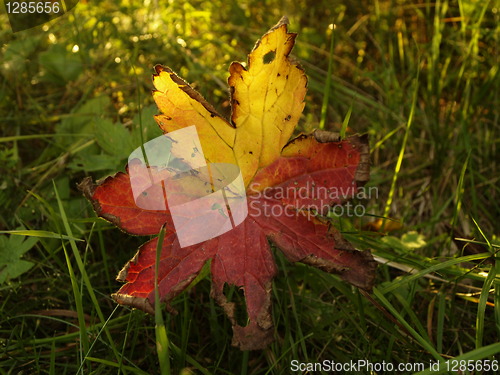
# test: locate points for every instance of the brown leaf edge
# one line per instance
(283, 21)
(186, 87)
(87, 187)
(358, 141)
(364, 280)
(258, 334)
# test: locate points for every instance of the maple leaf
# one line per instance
(288, 184)
(11, 249)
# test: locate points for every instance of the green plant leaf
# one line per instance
(81, 120)
(59, 65)
(11, 250)
(114, 138)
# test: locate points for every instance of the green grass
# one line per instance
(421, 78)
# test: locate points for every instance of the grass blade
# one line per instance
(481, 307)
(39, 233)
(424, 343)
(84, 274)
(473, 355)
(160, 329)
(399, 162)
(79, 306)
(328, 83)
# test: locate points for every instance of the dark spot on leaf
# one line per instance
(287, 118)
(250, 152)
(278, 75)
(269, 57)
(213, 115)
